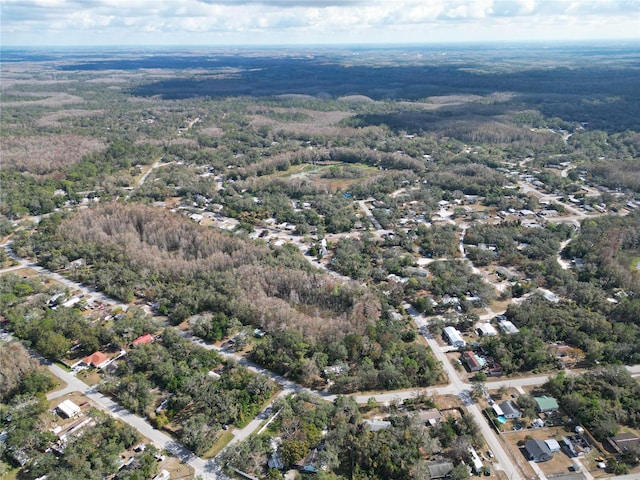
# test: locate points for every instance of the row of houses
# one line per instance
(509, 410)
(485, 329)
(476, 362)
(100, 360)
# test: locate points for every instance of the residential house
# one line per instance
(143, 340)
(275, 461)
(486, 330)
(506, 326)
(476, 463)
(493, 369)
(546, 404)
(473, 361)
(431, 417)
(538, 451)
(377, 425)
(622, 442)
(97, 360)
(68, 409)
(566, 354)
(18, 458)
(510, 410)
(454, 337)
(440, 469)
(508, 274)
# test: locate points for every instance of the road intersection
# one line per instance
(208, 469)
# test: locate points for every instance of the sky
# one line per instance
(312, 22)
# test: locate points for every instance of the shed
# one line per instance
(68, 409)
(553, 445)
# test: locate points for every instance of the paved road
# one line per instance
(12, 269)
(631, 476)
(459, 386)
(209, 470)
(74, 384)
(254, 425)
(367, 212)
(89, 293)
(144, 177)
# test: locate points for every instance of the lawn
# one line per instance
(560, 462)
(222, 440)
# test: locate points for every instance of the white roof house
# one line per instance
(68, 409)
(508, 327)
(487, 330)
(454, 337)
(475, 460)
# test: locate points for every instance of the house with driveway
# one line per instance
(537, 451)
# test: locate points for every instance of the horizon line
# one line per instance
(548, 42)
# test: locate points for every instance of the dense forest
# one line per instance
(608, 247)
(602, 400)
(314, 320)
(172, 367)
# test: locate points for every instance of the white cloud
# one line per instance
(312, 21)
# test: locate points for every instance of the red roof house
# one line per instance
(97, 359)
(143, 340)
